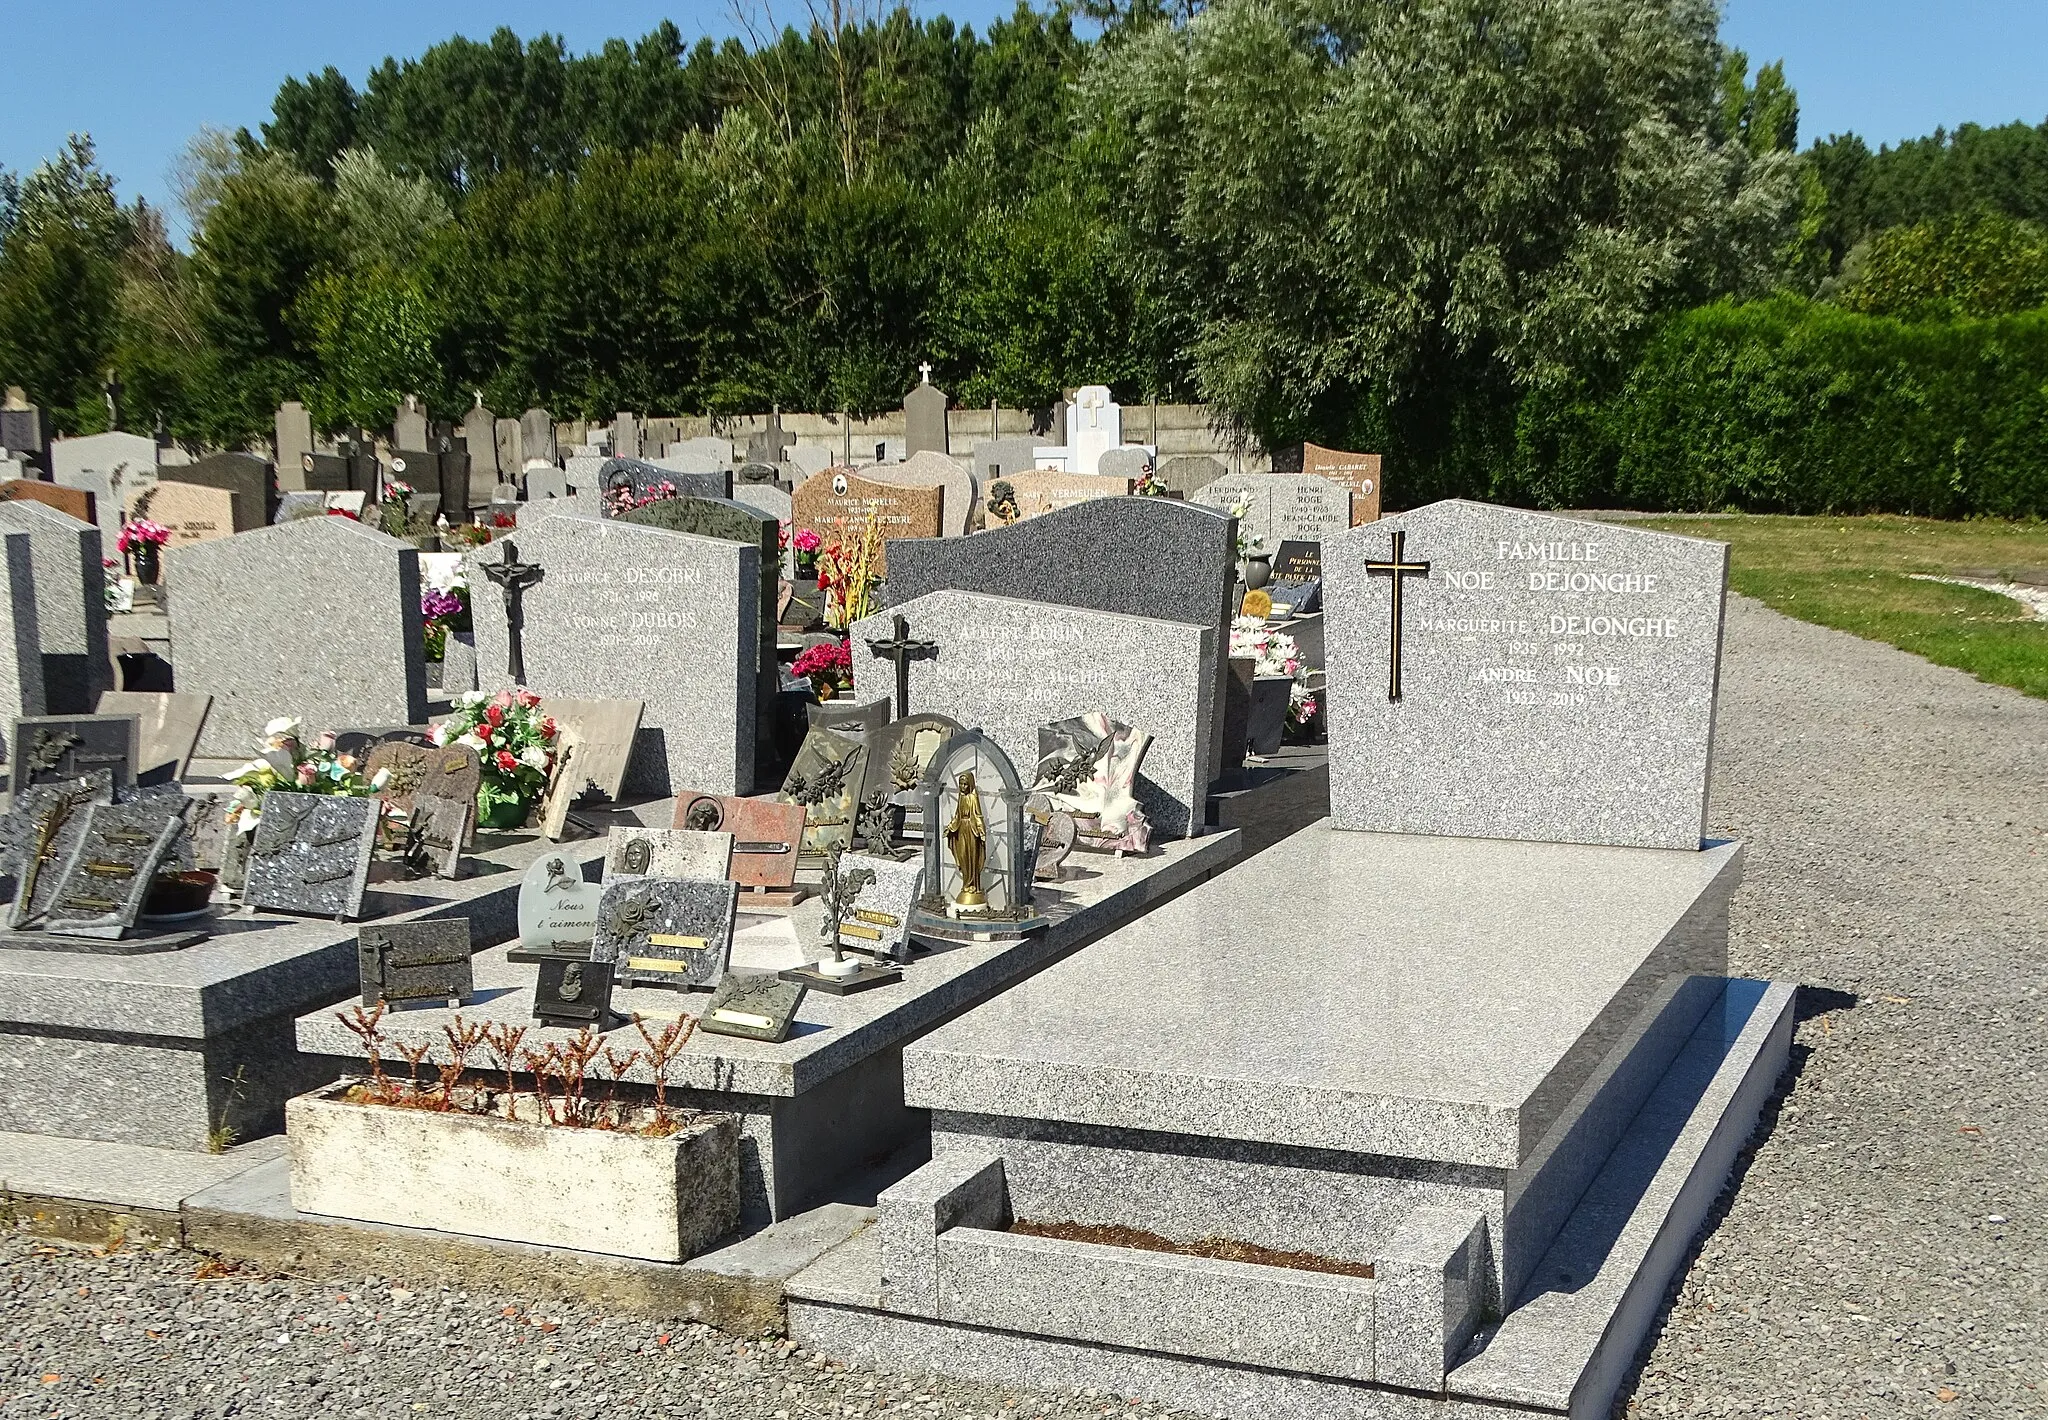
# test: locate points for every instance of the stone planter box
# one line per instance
(594, 1190)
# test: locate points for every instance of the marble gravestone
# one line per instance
(53, 749)
(113, 468)
(311, 854)
(877, 920)
(1156, 557)
(1282, 507)
(1010, 666)
(71, 605)
(1034, 494)
(1095, 425)
(841, 496)
(933, 470)
(1535, 677)
(245, 476)
(194, 513)
(319, 619)
(536, 440)
(624, 611)
(557, 908)
(666, 853)
(666, 931)
(1358, 472)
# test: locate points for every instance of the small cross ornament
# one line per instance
(1396, 568)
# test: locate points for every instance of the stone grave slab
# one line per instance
(1282, 507)
(295, 504)
(51, 749)
(192, 512)
(294, 431)
(111, 467)
(405, 962)
(21, 660)
(666, 618)
(1125, 461)
(480, 442)
(71, 604)
(246, 476)
(536, 438)
(935, 470)
(168, 725)
(877, 921)
(766, 835)
(1358, 472)
(604, 732)
(42, 828)
(667, 853)
(825, 778)
(311, 854)
(1538, 677)
(1010, 666)
(258, 617)
(840, 495)
(545, 483)
(72, 502)
(103, 884)
(644, 479)
(924, 419)
(666, 932)
(766, 498)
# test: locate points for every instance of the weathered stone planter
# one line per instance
(665, 1199)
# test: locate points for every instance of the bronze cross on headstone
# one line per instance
(514, 577)
(1395, 569)
(902, 650)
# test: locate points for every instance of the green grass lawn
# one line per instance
(1855, 574)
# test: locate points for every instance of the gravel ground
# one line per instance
(1887, 1250)
(1884, 1254)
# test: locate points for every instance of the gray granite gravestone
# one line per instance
(409, 424)
(624, 611)
(111, 467)
(105, 881)
(480, 441)
(579, 474)
(317, 619)
(311, 854)
(1124, 461)
(932, 470)
(666, 931)
(644, 479)
(536, 439)
(169, 725)
(71, 605)
(1534, 677)
(924, 419)
(1186, 474)
(1282, 507)
(246, 476)
(294, 504)
(700, 455)
(511, 458)
(626, 435)
(545, 483)
(1009, 666)
(770, 444)
(21, 657)
(42, 828)
(51, 749)
(1154, 557)
(878, 919)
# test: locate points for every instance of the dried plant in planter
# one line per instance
(560, 1077)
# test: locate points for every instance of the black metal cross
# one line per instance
(514, 577)
(902, 650)
(1395, 569)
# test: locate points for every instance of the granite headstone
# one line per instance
(71, 604)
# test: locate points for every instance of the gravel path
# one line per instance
(1887, 1253)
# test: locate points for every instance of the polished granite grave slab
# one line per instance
(829, 1098)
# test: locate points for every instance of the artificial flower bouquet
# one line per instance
(442, 610)
(623, 499)
(288, 761)
(135, 536)
(1275, 651)
(829, 666)
(516, 744)
(806, 544)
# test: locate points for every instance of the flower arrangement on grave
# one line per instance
(806, 544)
(1249, 543)
(516, 744)
(468, 535)
(847, 572)
(442, 610)
(829, 665)
(289, 761)
(119, 591)
(623, 499)
(1148, 484)
(1302, 704)
(143, 540)
(569, 1084)
(1275, 651)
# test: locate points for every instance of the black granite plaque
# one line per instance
(573, 993)
(108, 875)
(435, 834)
(42, 829)
(1298, 561)
(416, 961)
(753, 1006)
(311, 854)
(666, 931)
(49, 749)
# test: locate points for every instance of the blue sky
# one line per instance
(143, 75)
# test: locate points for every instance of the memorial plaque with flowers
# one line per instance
(515, 744)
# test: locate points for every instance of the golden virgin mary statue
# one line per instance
(967, 841)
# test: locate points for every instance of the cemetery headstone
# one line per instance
(24, 428)
(1505, 674)
(404, 962)
(1000, 458)
(626, 435)
(1283, 507)
(767, 498)
(71, 604)
(436, 831)
(810, 458)
(21, 657)
(480, 442)
(325, 473)
(759, 475)
(319, 619)
(557, 908)
(1125, 461)
(1188, 474)
(311, 854)
(666, 853)
(1297, 582)
(294, 442)
(409, 424)
(666, 931)
(511, 453)
(168, 725)
(825, 778)
(246, 476)
(772, 443)
(569, 994)
(641, 613)
(766, 836)
(103, 884)
(72, 502)
(644, 479)
(1032, 495)
(112, 468)
(1358, 472)
(545, 483)
(52, 749)
(930, 470)
(753, 1006)
(193, 513)
(839, 495)
(700, 455)
(1010, 666)
(536, 437)
(580, 473)
(1095, 424)
(299, 503)
(924, 418)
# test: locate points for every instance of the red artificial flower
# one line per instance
(482, 732)
(495, 715)
(506, 762)
(547, 727)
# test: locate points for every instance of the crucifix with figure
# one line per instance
(514, 577)
(902, 650)
(1394, 569)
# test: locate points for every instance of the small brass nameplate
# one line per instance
(656, 964)
(856, 929)
(880, 919)
(742, 1018)
(669, 939)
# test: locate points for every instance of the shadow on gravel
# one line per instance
(1821, 1001)
(1812, 1001)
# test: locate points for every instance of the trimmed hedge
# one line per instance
(1792, 406)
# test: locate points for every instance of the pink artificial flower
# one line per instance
(503, 699)
(482, 732)
(326, 740)
(527, 699)
(547, 727)
(506, 762)
(808, 541)
(308, 772)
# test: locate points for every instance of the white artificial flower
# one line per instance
(438, 734)
(474, 697)
(282, 725)
(534, 757)
(244, 797)
(380, 779)
(472, 741)
(247, 822)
